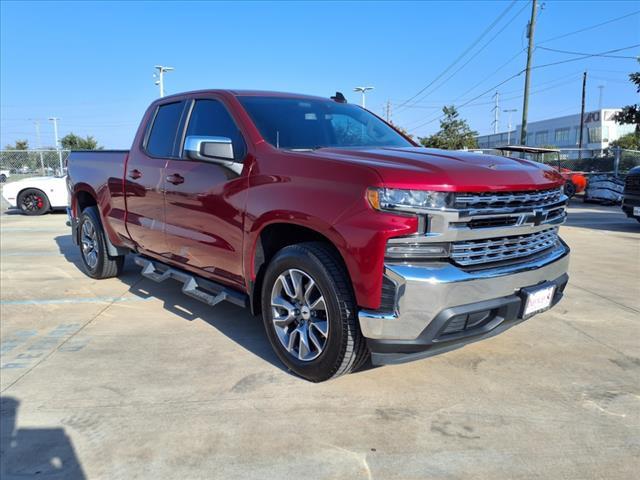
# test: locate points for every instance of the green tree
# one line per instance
(631, 113)
(19, 145)
(401, 130)
(72, 141)
(454, 133)
(630, 141)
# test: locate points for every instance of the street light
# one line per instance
(509, 111)
(55, 133)
(160, 76)
(363, 91)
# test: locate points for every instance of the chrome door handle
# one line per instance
(175, 179)
(135, 174)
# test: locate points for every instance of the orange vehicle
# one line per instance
(575, 182)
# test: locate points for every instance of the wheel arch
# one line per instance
(272, 238)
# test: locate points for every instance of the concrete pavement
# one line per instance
(125, 378)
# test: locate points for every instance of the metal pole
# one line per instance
(509, 111)
(363, 100)
(527, 78)
(55, 133)
(160, 82)
(601, 88)
(584, 88)
(39, 144)
(617, 152)
(496, 114)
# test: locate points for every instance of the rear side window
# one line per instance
(209, 118)
(163, 132)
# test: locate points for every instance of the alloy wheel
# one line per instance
(299, 315)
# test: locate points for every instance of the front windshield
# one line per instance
(301, 124)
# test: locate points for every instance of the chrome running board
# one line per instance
(193, 286)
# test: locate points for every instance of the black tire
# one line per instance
(32, 201)
(101, 265)
(345, 349)
(3, 178)
(570, 189)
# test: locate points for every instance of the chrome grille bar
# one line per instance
(496, 200)
(478, 252)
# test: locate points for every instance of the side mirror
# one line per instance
(209, 149)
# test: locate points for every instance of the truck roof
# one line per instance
(247, 93)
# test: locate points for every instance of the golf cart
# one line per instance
(575, 182)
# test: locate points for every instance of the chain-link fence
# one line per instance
(614, 161)
(17, 164)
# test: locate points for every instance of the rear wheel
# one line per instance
(3, 178)
(93, 247)
(309, 313)
(32, 201)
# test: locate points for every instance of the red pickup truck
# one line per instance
(351, 240)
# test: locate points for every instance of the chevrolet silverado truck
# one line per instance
(349, 239)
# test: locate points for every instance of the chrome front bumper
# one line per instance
(423, 292)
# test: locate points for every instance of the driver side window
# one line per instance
(209, 118)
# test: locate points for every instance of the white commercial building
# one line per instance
(564, 132)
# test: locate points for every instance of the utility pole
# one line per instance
(388, 111)
(525, 105)
(39, 144)
(55, 133)
(160, 76)
(363, 91)
(509, 111)
(496, 114)
(584, 88)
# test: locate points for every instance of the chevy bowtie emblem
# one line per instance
(539, 216)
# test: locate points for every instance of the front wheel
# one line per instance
(309, 313)
(93, 247)
(32, 201)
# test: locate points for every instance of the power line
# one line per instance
(586, 55)
(475, 55)
(590, 27)
(463, 54)
(582, 53)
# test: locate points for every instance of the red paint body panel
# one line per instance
(211, 223)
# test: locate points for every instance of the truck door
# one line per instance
(145, 176)
(205, 200)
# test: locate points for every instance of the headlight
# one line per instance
(407, 200)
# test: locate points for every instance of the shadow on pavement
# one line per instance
(600, 217)
(232, 321)
(34, 452)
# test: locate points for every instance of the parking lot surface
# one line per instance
(125, 378)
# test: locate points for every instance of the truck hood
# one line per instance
(447, 170)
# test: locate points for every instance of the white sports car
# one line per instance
(36, 195)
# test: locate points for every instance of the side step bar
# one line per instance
(196, 287)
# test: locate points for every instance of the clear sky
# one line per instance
(91, 63)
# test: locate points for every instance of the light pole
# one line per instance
(55, 133)
(160, 75)
(363, 91)
(509, 111)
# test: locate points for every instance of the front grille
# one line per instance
(489, 251)
(632, 184)
(508, 201)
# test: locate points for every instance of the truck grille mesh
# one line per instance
(632, 184)
(508, 200)
(488, 251)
